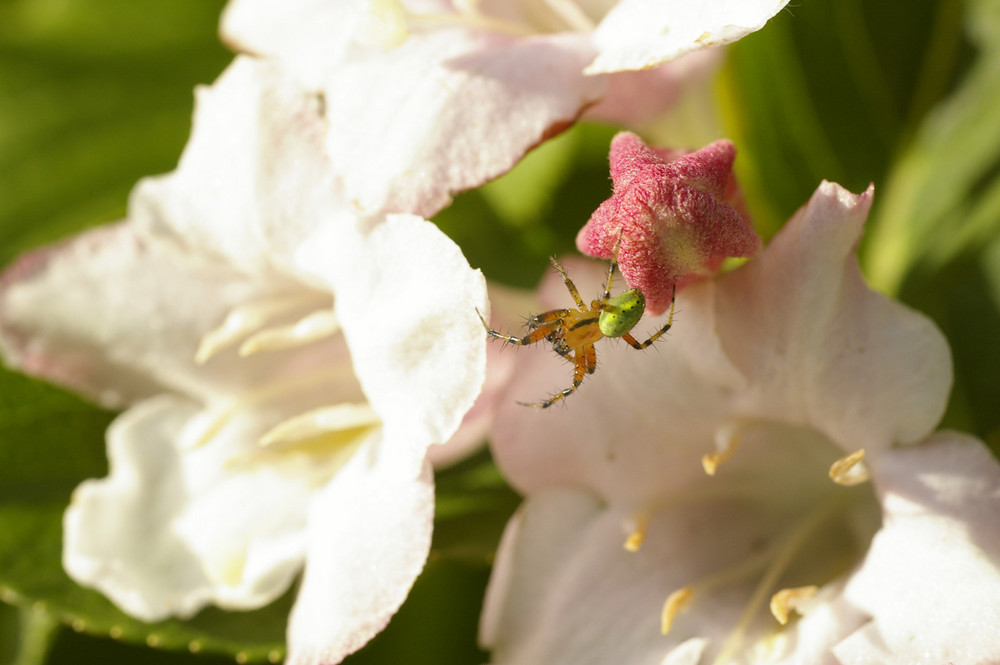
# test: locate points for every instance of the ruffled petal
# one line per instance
(447, 111)
(819, 347)
(118, 316)
(171, 530)
(931, 580)
(638, 34)
(369, 536)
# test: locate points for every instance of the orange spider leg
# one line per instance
(591, 355)
(584, 362)
(570, 286)
(538, 320)
(536, 335)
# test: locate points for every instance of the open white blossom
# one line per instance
(456, 92)
(284, 363)
(761, 487)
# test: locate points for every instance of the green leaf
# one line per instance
(831, 89)
(93, 96)
(473, 505)
(26, 637)
(437, 623)
(935, 241)
(944, 194)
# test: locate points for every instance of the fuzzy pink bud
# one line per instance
(678, 214)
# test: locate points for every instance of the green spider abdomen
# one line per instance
(621, 313)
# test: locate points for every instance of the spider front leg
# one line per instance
(659, 333)
(570, 286)
(584, 362)
(546, 324)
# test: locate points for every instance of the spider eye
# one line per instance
(621, 313)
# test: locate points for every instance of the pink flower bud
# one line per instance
(679, 216)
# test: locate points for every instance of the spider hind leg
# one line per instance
(584, 362)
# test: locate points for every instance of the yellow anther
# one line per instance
(727, 439)
(638, 535)
(790, 599)
(675, 602)
(850, 469)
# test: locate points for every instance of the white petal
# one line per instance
(254, 180)
(507, 305)
(170, 531)
(931, 580)
(447, 111)
(819, 347)
(306, 36)
(369, 535)
(407, 300)
(119, 316)
(639, 34)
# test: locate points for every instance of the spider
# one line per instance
(573, 332)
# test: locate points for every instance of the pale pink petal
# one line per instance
(369, 535)
(794, 336)
(639, 34)
(119, 316)
(566, 591)
(931, 580)
(447, 111)
(640, 423)
(637, 98)
(820, 347)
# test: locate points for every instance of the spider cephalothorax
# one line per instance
(573, 332)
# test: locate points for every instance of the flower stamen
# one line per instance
(310, 328)
(219, 415)
(675, 603)
(638, 535)
(850, 469)
(790, 546)
(571, 14)
(248, 318)
(727, 439)
(790, 599)
(341, 418)
(387, 24)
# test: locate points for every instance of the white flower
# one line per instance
(456, 92)
(285, 365)
(774, 378)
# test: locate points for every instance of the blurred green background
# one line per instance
(95, 94)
